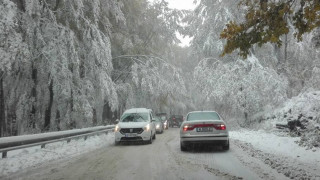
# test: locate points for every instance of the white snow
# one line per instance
(277, 145)
(18, 160)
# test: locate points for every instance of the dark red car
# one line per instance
(176, 120)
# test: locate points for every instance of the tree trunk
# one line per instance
(48, 110)
(2, 108)
(263, 4)
(285, 48)
(58, 120)
(94, 118)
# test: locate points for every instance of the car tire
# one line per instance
(150, 140)
(154, 136)
(183, 147)
(226, 147)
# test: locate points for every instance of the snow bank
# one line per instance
(303, 109)
(274, 144)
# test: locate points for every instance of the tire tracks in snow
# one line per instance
(182, 160)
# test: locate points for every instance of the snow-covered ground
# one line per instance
(274, 144)
(280, 152)
(21, 159)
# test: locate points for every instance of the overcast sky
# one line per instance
(181, 4)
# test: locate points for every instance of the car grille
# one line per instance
(131, 139)
(131, 130)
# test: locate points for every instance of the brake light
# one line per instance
(219, 126)
(188, 127)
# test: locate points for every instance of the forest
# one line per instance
(67, 64)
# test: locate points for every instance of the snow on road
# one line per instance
(253, 155)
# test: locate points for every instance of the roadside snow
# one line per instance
(271, 143)
(279, 152)
(301, 112)
(18, 160)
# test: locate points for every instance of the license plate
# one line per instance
(131, 134)
(205, 129)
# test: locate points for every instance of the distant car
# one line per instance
(159, 124)
(136, 124)
(204, 127)
(164, 119)
(176, 120)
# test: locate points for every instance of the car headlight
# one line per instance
(165, 123)
(158, 126)
(147, 127)
(117, 128)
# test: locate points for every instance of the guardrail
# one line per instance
(20, 142)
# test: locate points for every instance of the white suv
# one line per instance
(135, 124)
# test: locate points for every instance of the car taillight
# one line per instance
(219, 126)
(188, 127)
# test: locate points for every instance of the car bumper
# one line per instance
(144, 136)
(217, 140)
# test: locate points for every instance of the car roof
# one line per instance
(136, 110)
(201, 111)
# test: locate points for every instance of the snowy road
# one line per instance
(160, 160)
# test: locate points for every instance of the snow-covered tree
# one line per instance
(238, 89)
(58, 70)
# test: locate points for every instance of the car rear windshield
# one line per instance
(157, 118)
(177, 116)
(134, 117)
(163, 117)
(203, 116)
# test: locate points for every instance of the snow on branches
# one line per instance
(243, 86)
(155, 83)
(66, 46)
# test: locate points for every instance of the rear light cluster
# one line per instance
(190, 127)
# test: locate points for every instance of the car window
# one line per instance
(134, 117)
(203, 116)
(157, 118)
(163, 117)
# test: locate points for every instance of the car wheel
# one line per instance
(226, 147)
(154, 136)
(150, 141)
(182, 147)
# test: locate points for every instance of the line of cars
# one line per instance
(199, 127)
